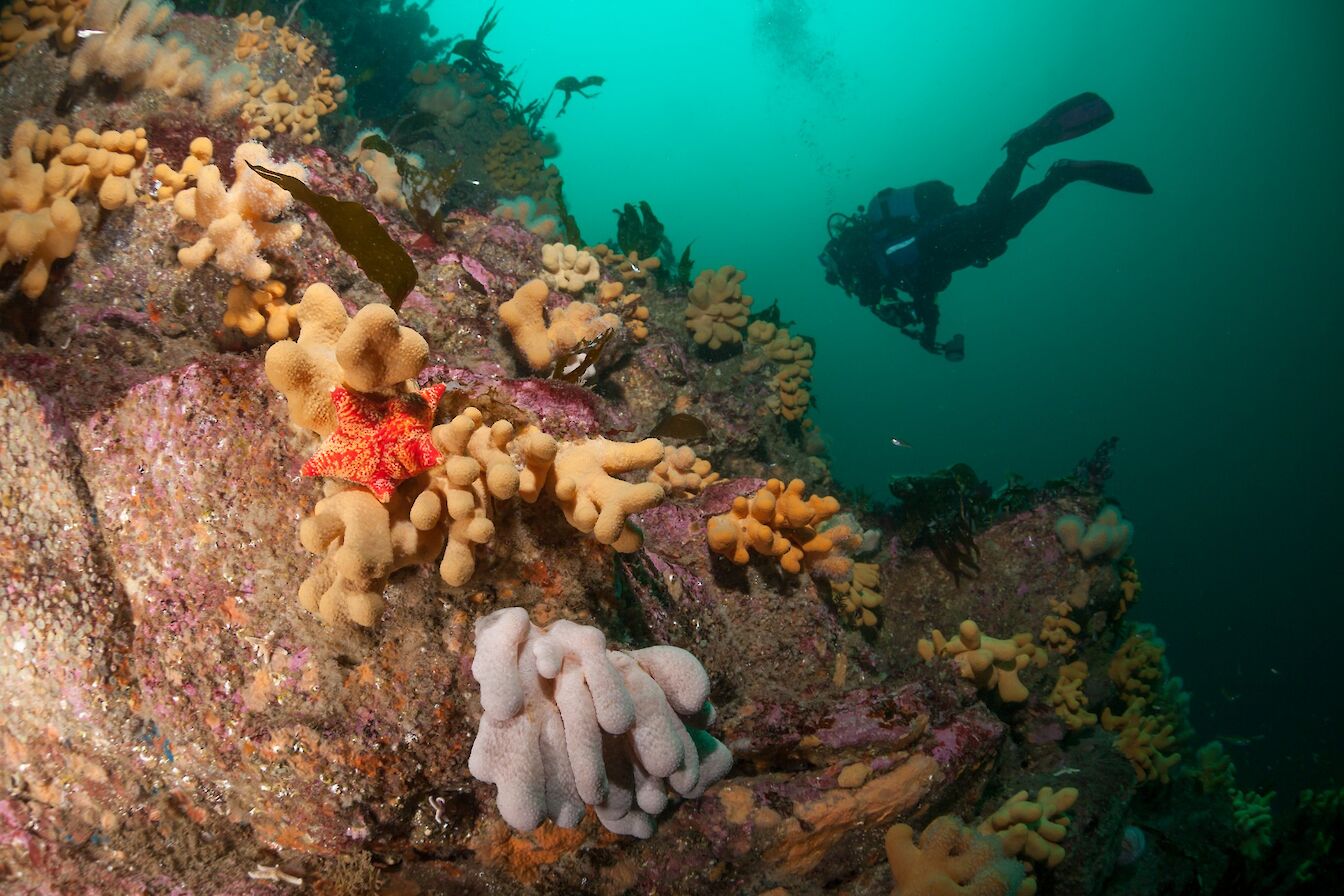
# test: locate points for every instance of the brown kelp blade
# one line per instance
(681, 426)
(381, 258)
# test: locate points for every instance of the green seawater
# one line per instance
(1199, 324)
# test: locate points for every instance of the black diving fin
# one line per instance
(1072, 118)
(1113, 175)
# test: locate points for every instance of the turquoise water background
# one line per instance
(1201, 324)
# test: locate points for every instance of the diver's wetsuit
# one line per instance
(962, 236)
(911, 241)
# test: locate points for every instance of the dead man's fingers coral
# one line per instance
(352, 530)
(377, 353)
(593, 499)
(569, 723)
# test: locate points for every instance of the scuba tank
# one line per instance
(873, 252)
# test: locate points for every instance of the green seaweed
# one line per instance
(942, 511)
(571, 226)
(378, 143)
(638, 231)
(684, 266)
(357, 231)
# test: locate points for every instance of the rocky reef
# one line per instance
(228, 471)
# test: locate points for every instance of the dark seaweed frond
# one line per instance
(358, 232)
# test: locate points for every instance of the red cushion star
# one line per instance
(379, 442)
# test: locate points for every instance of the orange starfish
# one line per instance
(379, 442)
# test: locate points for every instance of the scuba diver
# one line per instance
(913, 239)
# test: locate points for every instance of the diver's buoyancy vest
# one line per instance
(894, 218)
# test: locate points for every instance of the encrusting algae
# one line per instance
(396, 536)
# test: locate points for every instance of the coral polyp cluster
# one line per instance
(404, 491)
(778, 522)
(557, 703)
(399, 539)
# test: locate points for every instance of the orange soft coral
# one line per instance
(950, 860)
(779, 522)
(992, 663)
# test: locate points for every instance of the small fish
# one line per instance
(898, 443)
(88, 32)
(1233, 740)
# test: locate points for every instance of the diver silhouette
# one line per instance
(912, 240)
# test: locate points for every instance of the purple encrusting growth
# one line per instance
(174, 719)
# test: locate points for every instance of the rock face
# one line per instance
(155, 642)
(162, 685)
(173, 721)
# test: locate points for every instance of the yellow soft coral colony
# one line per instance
(254, 310)
(120, 44)
(540, 342)
(361, 539)
(582, 479)
(254, 34)
(1033, 830)
(793, 354)
(568, 268)
(238, 222)
(172, 181)
(1058, 631)
(1130, 586)
(36, 227)
(1144, 740)
(24, 23)
(992, 663)
(681, 474)
(612, 297)
(779, 522)
(279, 107)
(859, 598)
(515, 164)
(447, 508)
(39, 223)
(716, 309)
(951, 859)
(629, 266)
(380, 168)
(1146, 732)
(1068, 698)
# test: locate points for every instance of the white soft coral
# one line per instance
(120, 42)
(569, 723)
(238, 221)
